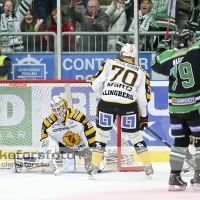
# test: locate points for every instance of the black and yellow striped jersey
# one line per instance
(76, 132)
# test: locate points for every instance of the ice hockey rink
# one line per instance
(107, 185)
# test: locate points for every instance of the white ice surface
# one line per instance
(107, 186)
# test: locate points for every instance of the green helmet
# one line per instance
(181, 38)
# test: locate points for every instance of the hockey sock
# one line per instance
(97, 158)
(188, 154)
(97, 153)
(142, 151)
(177, 157)
(197, 158)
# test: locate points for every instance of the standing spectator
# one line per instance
(5, 65)
(146, 24)
(124, 95)
(116, 12)
(41, 9)
(84, 2)
(160, 12)
(10, 22)
(31, 23)
(92, 19)
(67, 26)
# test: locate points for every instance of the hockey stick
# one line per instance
(168, 26)
(167, 144)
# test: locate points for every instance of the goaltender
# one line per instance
(66, 130)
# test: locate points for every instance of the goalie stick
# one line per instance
(167, 144)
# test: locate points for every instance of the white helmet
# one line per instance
(59, 107)
(128, 50)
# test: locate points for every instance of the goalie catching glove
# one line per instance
(143, 122)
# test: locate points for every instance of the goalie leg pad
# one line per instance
(24, 163)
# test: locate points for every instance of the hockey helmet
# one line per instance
(59, 107)
(181, 38)
(128, 50)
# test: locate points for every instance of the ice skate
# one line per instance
(54, 167)
(195, 182)
(187, 167)
(176, 183)
(148, 170)
(92, 171)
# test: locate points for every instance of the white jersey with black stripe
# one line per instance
(121, 82)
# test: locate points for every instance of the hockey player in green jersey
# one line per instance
(181, 64)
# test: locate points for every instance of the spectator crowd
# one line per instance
(31, 16)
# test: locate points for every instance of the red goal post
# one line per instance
(24, 103)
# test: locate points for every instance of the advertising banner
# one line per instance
(84, 66)
(32, 66)
(74, 66)
(24, 108)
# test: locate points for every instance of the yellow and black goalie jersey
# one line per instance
(76, 132)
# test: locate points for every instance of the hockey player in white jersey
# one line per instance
(66, 130)
(124, 89)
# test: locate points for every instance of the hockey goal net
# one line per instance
(24, 104)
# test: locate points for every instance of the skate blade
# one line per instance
(91, 176)
(150, 176)
(56, 172)
(176, 188)
(196, 186)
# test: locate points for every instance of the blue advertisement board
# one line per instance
(84, 66)
(159, 115)
(74, 66)
(32, 66)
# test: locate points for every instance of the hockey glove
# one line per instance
(143, 122)
(163, 46)
(194, 20)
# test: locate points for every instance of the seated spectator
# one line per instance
(146, 24)
(69, 42)
(32, 23)
(92, 19)
(5, 65)
(10, 22)
(116, 12)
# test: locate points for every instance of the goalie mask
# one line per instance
(59, 107)
(127, 52)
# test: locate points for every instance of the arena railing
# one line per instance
(98, 38)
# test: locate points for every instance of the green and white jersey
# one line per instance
(182, 67)
(161, 11)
